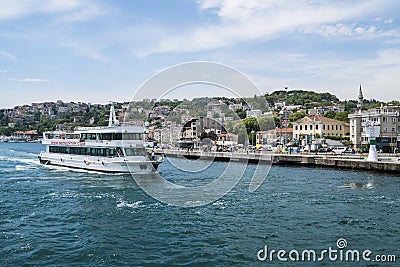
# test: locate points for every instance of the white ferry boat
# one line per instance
(112, 149)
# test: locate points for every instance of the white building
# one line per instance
(382, 123)
(254, 113)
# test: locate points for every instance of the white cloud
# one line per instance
(75, 9)
(30, 80)
(84, 50)
(8, 55)
(353, 30)
(249, 20)
(334, 73)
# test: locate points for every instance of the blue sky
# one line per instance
(97, 51)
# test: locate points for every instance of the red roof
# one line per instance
(284, 130)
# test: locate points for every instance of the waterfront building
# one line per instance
(193, 128)
(319, 126)
(274, 136)
(383, 123)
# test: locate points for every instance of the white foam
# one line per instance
(68, 169)
(134, 205)
(20, 167)
(22, 160)
(370, 185)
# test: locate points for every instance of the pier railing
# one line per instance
(356, 161)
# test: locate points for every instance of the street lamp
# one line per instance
(252, 137)
(370, 131)
(286, 119)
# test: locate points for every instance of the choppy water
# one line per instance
(58, 217)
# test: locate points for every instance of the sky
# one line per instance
(104, 50)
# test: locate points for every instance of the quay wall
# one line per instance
(355, 162)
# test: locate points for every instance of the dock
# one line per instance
(354, 162)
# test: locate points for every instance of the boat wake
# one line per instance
(355, 185)
(20, 160)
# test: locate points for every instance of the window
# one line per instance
(328, 127)
(316, 127)
(135, 151)
(310, 127)
(305, 127)
(323, 127)
(394, 119)
(117, 136)
(132, 136)
(385, 119)
(296, 127)
(393, 129)
(301, 128)
(106, 136)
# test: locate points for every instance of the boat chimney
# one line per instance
(112, 120)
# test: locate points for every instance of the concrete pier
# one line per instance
(355, 162)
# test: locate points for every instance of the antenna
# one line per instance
(112, 119)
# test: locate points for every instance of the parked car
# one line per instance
(338, 149)
(349, 151)
(324, 150)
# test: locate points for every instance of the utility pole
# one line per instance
(286, 119)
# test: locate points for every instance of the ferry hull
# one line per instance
(99, 164)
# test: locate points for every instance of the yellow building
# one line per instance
(320, 126)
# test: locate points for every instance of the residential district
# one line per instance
(283, 120)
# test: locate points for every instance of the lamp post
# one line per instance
(286, 119)
(370, 131)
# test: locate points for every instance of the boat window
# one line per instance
(117, 136)
(106, 136)
(135, 151)
(98, 152)
(118, 152)
(132, 136)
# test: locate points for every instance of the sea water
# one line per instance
(59, 217)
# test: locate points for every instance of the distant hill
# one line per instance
(308, 99)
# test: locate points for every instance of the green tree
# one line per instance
(215, 115)
(251, 124)
(277, 121)
(342, 116)
(330, 114)
(297, 116)
(241, 113)
(266, 123)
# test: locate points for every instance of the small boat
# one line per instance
(112, 149)
(19, 139)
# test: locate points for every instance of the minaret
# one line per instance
(360, 99)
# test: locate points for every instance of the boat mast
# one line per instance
(112, 120)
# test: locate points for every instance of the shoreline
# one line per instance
(385, 164)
